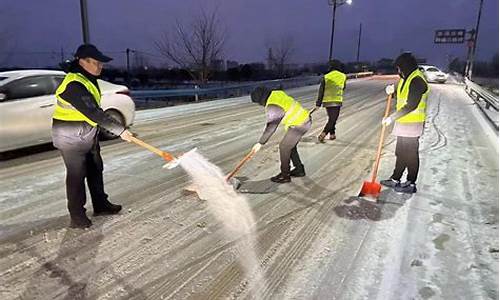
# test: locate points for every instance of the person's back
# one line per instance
(281, 108)
(331, 97)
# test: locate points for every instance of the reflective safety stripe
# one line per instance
(64, 110)
(334, 86)
(418, 115)
(65, 105)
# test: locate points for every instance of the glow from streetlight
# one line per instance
(349, 2)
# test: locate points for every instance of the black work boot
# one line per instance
(406, 188)
(298, 172)
(281, 178)
(321, 137)
(107, 209)
(80, 221)
(392, 183)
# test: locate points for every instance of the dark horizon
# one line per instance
(116, 25)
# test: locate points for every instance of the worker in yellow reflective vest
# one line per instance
(409, 118)
(281, 108)
(76, 122)
(331, 96)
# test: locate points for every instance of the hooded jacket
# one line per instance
(407, 64)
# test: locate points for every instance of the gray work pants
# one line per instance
(288, 147)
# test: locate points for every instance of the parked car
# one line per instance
(27, 101)
(433, 74)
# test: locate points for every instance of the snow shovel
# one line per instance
(172, 160)
(371, 189)
(229, 178)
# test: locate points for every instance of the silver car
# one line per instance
(27, 100)
(433, 74)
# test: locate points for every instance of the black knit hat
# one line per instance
(407, 63)
(260, 94)
(335, 64)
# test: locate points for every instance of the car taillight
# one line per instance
(124, 92)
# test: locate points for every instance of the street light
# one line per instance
(85, 23)
(474, 45)
(335, 4)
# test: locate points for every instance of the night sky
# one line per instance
(33, 32)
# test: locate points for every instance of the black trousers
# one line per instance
(407, 157)
(333, 115)
(84, 164)
(288, 147)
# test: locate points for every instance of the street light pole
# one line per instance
(471, 63)
(85, 24)
(334, 4)
(333, 29)
(359, 41)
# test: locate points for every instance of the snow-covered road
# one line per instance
(315, 239)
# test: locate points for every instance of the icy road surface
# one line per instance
(315, 239)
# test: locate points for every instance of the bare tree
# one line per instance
(195, 47)
(281, 53)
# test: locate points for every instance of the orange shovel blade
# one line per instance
(370, 189)
(167, 156)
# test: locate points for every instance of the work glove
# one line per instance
(256, 147)
(389, 89)
(387, 121)
(126, 135)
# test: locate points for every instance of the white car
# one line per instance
(433, 74)
(27, 100)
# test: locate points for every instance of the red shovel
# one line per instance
(371, 189)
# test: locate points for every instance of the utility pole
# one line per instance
(128, 65)
(85, 24)
(471, 63)
(359, 41)
(333, 30)
(470, 46)
(334, 4)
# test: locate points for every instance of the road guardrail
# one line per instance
(484, 99)
(234, 90)
(478, 93)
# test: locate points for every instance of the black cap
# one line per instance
(89, 50)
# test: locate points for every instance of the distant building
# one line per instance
(231, 64)
(257, 66)
(319, 68)
(218, 65)
(291, 67)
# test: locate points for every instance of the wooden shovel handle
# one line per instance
(165, 155)
(381, 140)
(240, 164)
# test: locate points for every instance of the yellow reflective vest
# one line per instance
(334, 86)
(295, 114)
(417, 115)
(64, 110)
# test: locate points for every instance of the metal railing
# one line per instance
(478, 93)
(234, 90)
(484, 99)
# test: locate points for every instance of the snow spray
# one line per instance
(228, 207)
